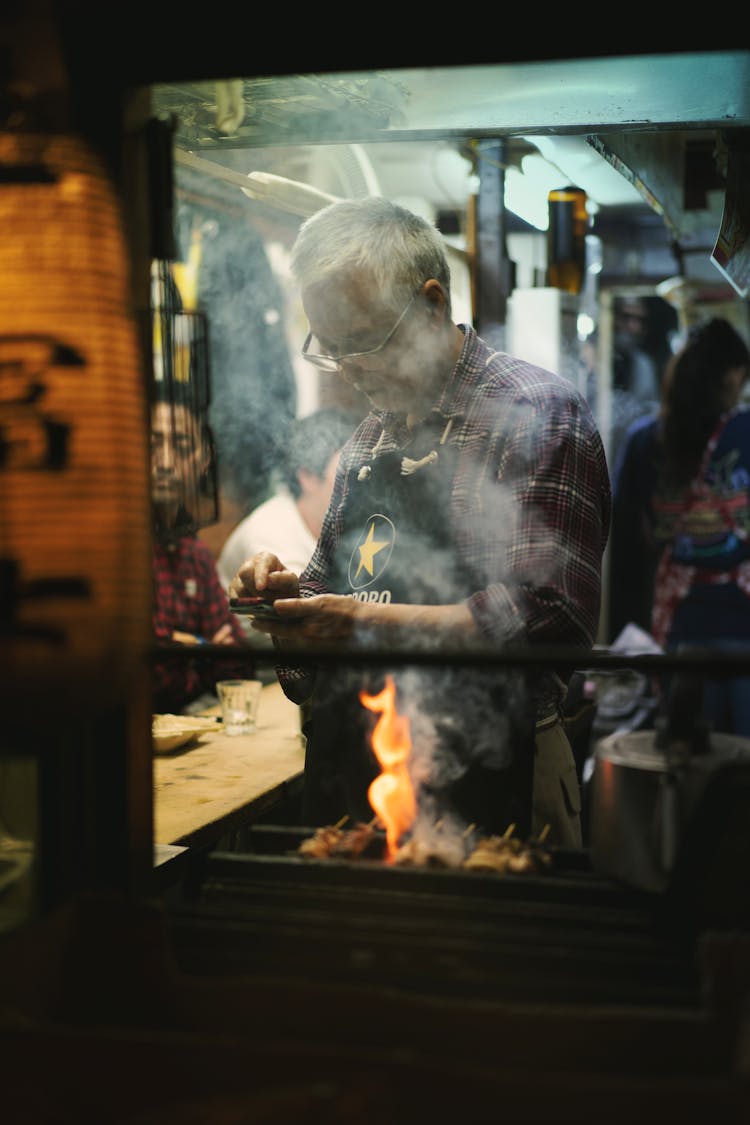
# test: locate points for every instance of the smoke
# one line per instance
(458, 719)
(437, 832)
(464, 727)
(253, 400)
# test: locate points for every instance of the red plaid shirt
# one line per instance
(188, 597)
(530, 500)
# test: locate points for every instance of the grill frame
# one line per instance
(566, 936)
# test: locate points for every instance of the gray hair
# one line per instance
(400, 250)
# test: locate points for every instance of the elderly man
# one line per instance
(471, 507)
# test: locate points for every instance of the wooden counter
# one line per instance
(215, 784)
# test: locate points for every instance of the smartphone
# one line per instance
(255, 607)
(259, 607)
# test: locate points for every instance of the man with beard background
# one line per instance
(190, 605)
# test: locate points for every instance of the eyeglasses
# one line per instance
(333, 362)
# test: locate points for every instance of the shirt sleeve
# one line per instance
(548, 524)
(177, 682)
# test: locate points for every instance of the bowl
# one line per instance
(169, 732)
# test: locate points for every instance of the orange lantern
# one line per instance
(75, 575)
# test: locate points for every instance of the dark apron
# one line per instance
(471, 730)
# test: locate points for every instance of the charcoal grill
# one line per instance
(484, 989)
(505, 991)
(564, 935)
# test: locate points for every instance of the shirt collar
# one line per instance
(452, 401)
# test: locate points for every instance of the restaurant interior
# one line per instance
(169, 949)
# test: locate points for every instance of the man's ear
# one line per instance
(434, 294)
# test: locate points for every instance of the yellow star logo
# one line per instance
(368, 550)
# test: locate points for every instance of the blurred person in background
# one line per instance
(289, 523)
(681, 515)
(470, 508)
(232, 282)
(636, 389)
(190, 606)
(645, 330)
(633, 369)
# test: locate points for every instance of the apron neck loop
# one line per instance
(408, 466)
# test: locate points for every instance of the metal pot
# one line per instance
(643, 798)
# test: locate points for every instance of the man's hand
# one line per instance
(222, 636)
(264, 574)
(185, 638)
(335, 618)
(325, 617)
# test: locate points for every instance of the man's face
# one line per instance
(630, 323)
(348, 317)
(176, 455)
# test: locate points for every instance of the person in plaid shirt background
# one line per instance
(190, 605)
(471, 506)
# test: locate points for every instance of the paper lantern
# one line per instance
(75, 577)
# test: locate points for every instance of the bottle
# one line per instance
(566, 239)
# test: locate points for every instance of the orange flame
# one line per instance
(391, 794)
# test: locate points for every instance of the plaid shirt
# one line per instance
(189, 598)
(530, 501)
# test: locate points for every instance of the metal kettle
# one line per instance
(647, 785)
